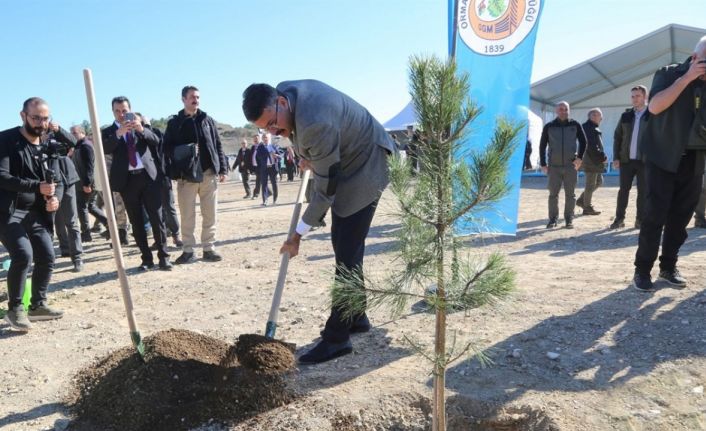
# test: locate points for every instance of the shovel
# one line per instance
(271, 327)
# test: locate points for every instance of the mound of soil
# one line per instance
(185, 380)
(263, 354)
(466, 414)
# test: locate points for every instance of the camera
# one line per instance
(54, 149)
(129, 116)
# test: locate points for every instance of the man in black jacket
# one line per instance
(136, 174)
(66, 220)
(84, 160)
(559, 136)
(627, 155)
(243, 163)
(592, 161)
(192, 126)
(673, 171)
(27, 206)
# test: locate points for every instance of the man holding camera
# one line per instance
(673, 168)
(198, 164)
(136, 174)
(27, 205)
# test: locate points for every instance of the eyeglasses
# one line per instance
(38, 119)
(272, 124)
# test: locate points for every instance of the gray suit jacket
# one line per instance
(346, 146)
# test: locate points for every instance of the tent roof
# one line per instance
(620, 66)
(406, 117)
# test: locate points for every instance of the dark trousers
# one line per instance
(348, 236)
(290, 172)
(245, 177)
(671, 199)
(26, 237)
(86, 204)
(629, 171)
(562, 176)
(258, 182)
(268, 173)
(66, 224)
(169, 213)
(141, 191)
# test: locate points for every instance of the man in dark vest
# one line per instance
(674, 172)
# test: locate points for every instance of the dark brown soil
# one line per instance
(263, 354)
(184, 381)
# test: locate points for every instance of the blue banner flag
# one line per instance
(493, 40)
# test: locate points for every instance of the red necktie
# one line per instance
(131, 150)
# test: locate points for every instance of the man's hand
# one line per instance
(577, 163)
(87, 189)
(222, 178)
(305, 165)
(291, 246)
(123, 129)
(54, 127)
(52, 204)
(616, 164)
(545, 170)
(47, 189)
(695, 70)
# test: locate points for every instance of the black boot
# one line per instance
(122, 234)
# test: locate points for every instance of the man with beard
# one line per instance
(673, 169)
(347, 149)
(27, 207)
(193, 127)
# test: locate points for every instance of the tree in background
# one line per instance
(453, 185)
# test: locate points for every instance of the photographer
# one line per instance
(673, 168)
(27, 206)
(58, 146)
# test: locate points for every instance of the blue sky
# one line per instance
(148, 50)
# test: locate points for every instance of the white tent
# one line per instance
(605, 81)
(406, 117)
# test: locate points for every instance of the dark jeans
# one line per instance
(141, 191)
(671, 199)
(86, 204)
(348, 236)
(26, 237)
(169, 213)
(271, 174)
(66, 224)
(245, 177)
(290, 172)
(629, 171)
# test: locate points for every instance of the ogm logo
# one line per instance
(495, 27)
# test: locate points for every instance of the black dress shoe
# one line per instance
(185, 258)
(362, 324)
(325, 351)
(146, 266)
(165, 264)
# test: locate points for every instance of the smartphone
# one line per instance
(130, 116)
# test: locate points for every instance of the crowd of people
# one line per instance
(47, 179)
(660, 142)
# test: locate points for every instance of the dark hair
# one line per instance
(32, 101)
(256, 98)
(120, 99)
(185, 90)
(640, 88)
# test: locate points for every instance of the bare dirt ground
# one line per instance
(622, 359)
